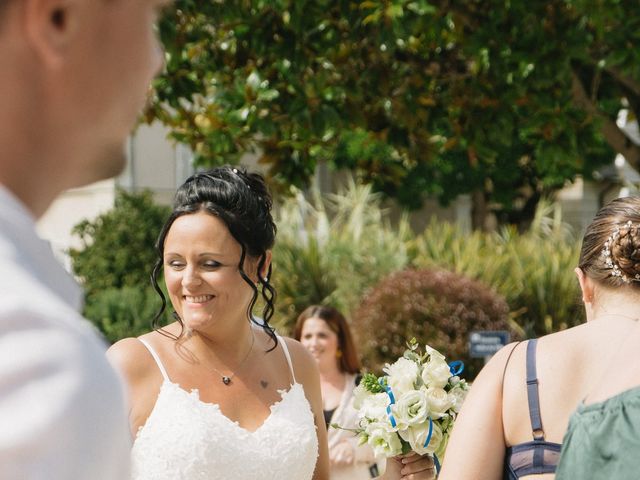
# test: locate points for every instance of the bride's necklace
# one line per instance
(226, 379)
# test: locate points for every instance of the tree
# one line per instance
(115, 262)
(505, 99)
(118, 246)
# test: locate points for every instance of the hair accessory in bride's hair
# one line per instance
(610, 262)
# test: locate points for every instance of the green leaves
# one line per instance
(370, 383)
(118, 246)
(368, 85)
(114, 264)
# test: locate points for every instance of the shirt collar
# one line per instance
(18, 227)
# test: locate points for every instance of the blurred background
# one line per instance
(433, 163)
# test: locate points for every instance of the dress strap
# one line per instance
(506, 364)
(286, 354)
(533, 396)
(156, 358)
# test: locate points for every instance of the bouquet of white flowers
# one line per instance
(413, 406)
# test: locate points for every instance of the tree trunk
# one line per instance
(479, 210)
(612, 134)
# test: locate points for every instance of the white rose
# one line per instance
(383, 441)
(359, 394)
(401, 375)
(433, 353)
(457, 396)
(374, 407)
(412, 408)
(417, 436)
(439, 402)
(436, 372)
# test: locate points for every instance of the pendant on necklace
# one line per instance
(226, 380)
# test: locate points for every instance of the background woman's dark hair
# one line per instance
(349, 361)
(624, 249)
(242, 201)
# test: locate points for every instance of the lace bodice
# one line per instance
(185, 438)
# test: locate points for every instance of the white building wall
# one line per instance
(71, 208)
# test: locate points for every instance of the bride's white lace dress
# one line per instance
(185, 438)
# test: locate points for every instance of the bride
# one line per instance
(217, 394)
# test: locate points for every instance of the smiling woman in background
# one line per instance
(324, 332)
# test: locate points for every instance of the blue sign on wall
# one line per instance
(486, 343)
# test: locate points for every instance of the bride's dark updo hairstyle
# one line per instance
(610, 251)
(242, 201)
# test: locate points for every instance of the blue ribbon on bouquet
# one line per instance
(436, 462)
(456, 367)
(392, 400)
(426, 442)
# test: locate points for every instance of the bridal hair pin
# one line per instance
(610, 262)
(242, 178)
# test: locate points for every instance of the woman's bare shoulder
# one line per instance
(304, 365)
(132, 358)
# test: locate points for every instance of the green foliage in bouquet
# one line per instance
(371, 383)
(438, 307)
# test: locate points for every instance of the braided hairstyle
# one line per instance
(610, 251)
(243, 203)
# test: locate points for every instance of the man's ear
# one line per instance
(50, 27)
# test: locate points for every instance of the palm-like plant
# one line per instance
(331, 248)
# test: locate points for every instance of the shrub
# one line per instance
(118, 246)
(115, 262)
(123, 312)
(436, 307)
(332, 248)
(532, 270)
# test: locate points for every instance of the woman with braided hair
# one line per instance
(603, 438)
(217, 394)
(573, 390)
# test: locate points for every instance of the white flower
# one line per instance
(384, 441)
(417, 436)
(374, 407)
(436, 372)
(401, 375)
(439, 402)
(457, 396)
(433, 353)
(412, 408)
(359, 394)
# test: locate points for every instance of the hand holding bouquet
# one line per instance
(412, 407)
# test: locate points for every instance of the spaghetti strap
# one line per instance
(533, 395)
(156, 358)
(286, 354)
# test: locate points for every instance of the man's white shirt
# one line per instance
(62, 406)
